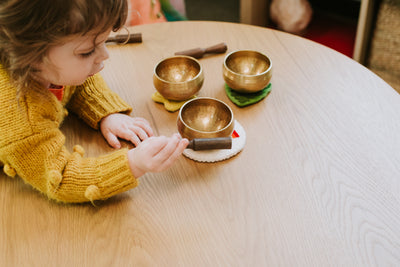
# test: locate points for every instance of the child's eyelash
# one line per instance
(88, 54)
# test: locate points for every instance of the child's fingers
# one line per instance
(175, 154)
(133, 134)
(140, 132)
(145, 126)
(133, 138)
(167, 149)
(141, 119)
(153, 145)
(148, 130)
(112, 140)
(171, 151)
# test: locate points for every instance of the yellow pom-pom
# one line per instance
(10, 171)
(92, 193)
(169, 105)
(66, 112)
(80, 150)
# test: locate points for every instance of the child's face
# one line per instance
(74, 61)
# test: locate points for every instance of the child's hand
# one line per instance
(156, 154)
(119, 125)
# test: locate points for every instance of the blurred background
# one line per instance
(367, 31)
(217, 10)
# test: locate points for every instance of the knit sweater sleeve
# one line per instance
(43, 161)
(33, 147)
(93, 100)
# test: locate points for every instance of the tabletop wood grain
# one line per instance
(317, 183)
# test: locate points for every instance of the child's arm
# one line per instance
(101, 108)
(41, 159)
(93, 101)
(32, 147)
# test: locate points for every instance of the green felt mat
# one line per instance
(242, 100)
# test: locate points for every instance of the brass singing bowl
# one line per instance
(205, 117)
(247, 71)
(178, 77)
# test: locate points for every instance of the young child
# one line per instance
(50, 54)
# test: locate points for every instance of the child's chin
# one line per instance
(77, 83)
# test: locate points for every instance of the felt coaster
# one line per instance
(169, 105)
(214, 155)
(243, 99)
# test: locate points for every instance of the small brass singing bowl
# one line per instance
(178, 78)
(247, 71)
(205, 117)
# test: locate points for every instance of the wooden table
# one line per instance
(317, 184)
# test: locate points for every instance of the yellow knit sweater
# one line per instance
(32, 145)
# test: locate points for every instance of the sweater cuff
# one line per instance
(94, 101)
(95, 178)
(116, 175)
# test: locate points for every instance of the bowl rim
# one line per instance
(210, 98)
(178, 56)
(247, 75)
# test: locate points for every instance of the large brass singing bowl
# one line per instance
(247, 71)
(205, 117)
(178, 77)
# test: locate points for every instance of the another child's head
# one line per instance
(30, 29)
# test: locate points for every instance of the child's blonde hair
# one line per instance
(28, 28)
